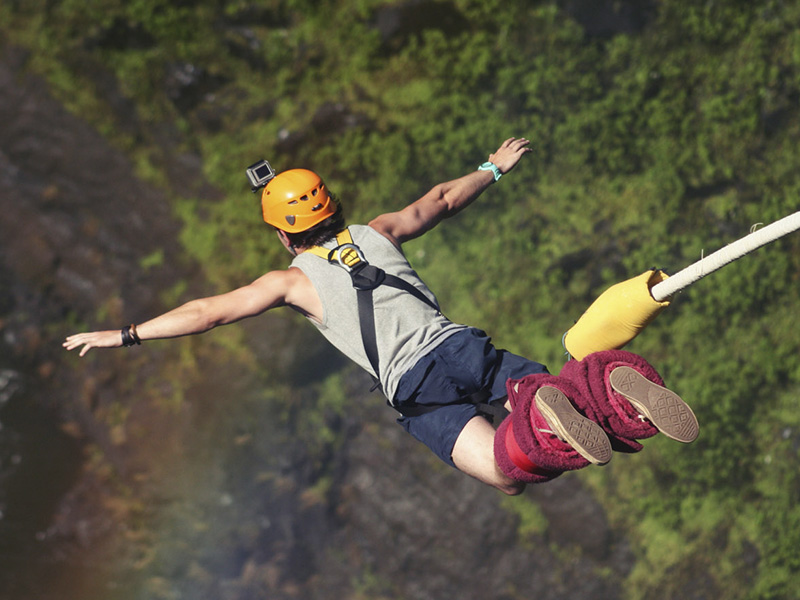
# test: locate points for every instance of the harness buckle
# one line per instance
(349, 256)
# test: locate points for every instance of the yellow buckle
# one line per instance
(349, 255)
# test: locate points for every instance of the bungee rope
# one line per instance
(720, 258)
(621, 312)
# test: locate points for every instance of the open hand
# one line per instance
(509, 153)
(94, 339)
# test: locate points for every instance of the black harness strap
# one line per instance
(366, 320)
(366, 311)
(365, 278)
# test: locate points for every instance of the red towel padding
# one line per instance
(618, 418)
(513, 461)
(544, 449)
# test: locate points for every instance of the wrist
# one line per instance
(490, 166)
(130, 336)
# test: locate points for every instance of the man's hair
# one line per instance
(321, 232)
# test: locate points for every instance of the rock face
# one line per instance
(426, 531)
(76, 227)
(216, 499)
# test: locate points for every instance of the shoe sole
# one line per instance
(665, 409)
(584, 435)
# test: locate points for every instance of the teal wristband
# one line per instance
(488, 166)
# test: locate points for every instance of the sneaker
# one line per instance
(585, 436)
(665, 409)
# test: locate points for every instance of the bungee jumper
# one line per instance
(447, 381)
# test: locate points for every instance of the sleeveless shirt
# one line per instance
(405, 327)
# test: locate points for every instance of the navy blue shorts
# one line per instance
(461, 365)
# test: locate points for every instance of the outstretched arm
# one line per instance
(447, 199)
(198, 316)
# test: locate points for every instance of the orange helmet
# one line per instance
(296, 200)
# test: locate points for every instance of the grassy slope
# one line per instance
(649, 148)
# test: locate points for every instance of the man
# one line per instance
(430, 368)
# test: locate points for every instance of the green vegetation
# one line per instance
(652, 144)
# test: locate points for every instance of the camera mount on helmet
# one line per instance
(260, 174)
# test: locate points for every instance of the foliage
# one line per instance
(652, 144)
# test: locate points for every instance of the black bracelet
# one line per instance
(129, 339)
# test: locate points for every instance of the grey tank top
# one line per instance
(406, 328)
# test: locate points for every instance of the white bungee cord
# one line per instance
(705, 266)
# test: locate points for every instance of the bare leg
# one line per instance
(473, 454)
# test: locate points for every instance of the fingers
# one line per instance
(513, 148)
(75, 341)
(509, 153)
(94, 339)
(516, 143)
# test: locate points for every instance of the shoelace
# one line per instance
(551, 433)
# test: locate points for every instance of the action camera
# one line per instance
(259, 174)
